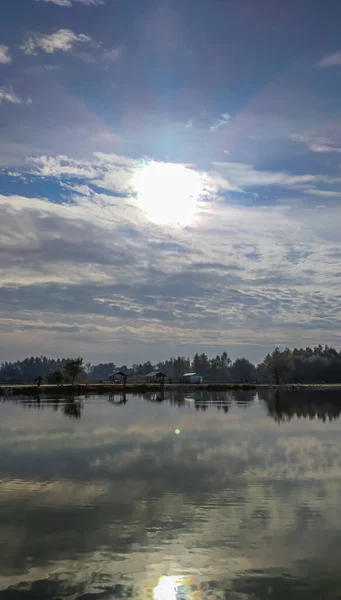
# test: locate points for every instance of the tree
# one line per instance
(201, 365)
(243, 370)
(320, 364)
(55, 378)
(74, 367)
(278, 363)
(100, 372)
(142, 370)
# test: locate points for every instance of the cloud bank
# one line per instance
(93, 265)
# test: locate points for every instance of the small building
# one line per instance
(156, 376)
(192, 378)
(118, 376)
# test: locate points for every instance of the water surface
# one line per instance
(211, 495)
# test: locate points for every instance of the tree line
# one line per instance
(321, 364)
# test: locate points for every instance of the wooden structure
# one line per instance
(118, 377)
(156, 377)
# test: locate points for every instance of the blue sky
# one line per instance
(170, 177)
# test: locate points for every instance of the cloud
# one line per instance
(8, 95)
(63, 40)
(114, 159)
(68, 3)
(330, 60)
(325, 193)
(92, 265)
(111, 55)
(96, 265)
(243, 176)
(220, 122)
(315, 143)
(5, 57)
(316, 147)
(108, 171)
(59, 166)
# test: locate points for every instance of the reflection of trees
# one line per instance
(202, 399)
(70, 407)
(284, 405)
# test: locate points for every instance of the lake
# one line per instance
(209, 495)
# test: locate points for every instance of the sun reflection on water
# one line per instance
(189, 587)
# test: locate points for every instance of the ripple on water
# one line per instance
(101, 501)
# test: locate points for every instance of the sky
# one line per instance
(169, 177)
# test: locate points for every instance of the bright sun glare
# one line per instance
(168, 193)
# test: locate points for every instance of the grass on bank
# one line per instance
(111, 388)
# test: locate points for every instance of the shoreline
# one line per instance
(112, 388)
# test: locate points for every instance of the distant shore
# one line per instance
(112, 388)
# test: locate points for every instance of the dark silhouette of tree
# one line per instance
(243, 370)
(74, 367)
(55, 378)
(278, 364)
(142, 369)
(100, 372)
(320, 364)
(175, 367)
(25, 371)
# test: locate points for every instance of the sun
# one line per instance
(168, 193)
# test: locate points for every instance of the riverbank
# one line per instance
(112, 388)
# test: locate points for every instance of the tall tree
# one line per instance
(101, 372)
(278, 364)
(243, 370)
(74, 367)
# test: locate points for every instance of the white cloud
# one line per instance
(242, 275)
(63, 40)
(323, 148)
(7, 95)
(242, 176)
(68, 3)
(61, 166)
(5, 57)
(330, 60)
(108, 171)
(326, 193)
(114, 159)
(315, 143)
(220, 122)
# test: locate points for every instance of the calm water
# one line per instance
(101, 500)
